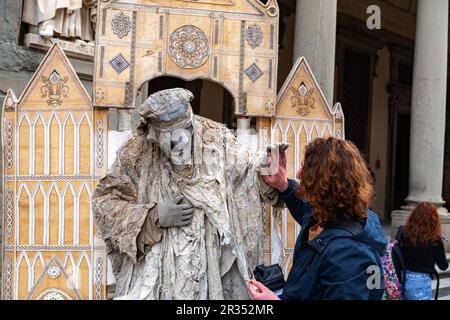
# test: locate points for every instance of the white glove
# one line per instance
(273, 152)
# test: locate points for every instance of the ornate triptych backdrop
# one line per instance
(302, 114)
(54, 138)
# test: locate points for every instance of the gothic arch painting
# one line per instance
(301, 114)
(54, 151)
(232, 42)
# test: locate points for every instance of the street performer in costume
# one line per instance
(180, 209)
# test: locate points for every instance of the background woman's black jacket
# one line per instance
(422, 258)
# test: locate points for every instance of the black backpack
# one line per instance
(397, 260)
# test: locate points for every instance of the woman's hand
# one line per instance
(275, 175)
(260, 291)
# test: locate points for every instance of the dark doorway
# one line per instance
(211, 100)
(355, 93)
(401, 177)
(400, 90)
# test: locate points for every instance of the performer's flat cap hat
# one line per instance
(168, 109)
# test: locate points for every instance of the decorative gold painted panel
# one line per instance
(301, 115)
(231, 42)
(54, 151)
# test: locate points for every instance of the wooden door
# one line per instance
(55, 150)
(301, 115)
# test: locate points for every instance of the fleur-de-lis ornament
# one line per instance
(55, 88)
(302, 99)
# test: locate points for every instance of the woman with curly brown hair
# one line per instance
(341, 241)
(422, 247)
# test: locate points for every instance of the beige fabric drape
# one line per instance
(210, 258)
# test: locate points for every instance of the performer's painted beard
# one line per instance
(176, 144)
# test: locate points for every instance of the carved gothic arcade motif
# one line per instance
(231, 42)
(55, 149)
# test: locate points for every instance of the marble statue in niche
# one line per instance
(73, 20)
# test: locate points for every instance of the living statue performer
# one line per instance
(61, 18)
(180, 209)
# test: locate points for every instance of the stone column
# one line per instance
(315, 39)
(428, 110)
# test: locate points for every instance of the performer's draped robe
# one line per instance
(211, 257)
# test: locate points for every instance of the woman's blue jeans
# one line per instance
(418, 286)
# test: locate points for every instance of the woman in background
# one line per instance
(422, 247)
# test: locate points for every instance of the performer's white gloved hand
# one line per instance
(279, 147)
(273, 166)
(174, 213)
(271, 158)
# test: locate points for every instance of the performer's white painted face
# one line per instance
(170, 116)
(176, 145)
